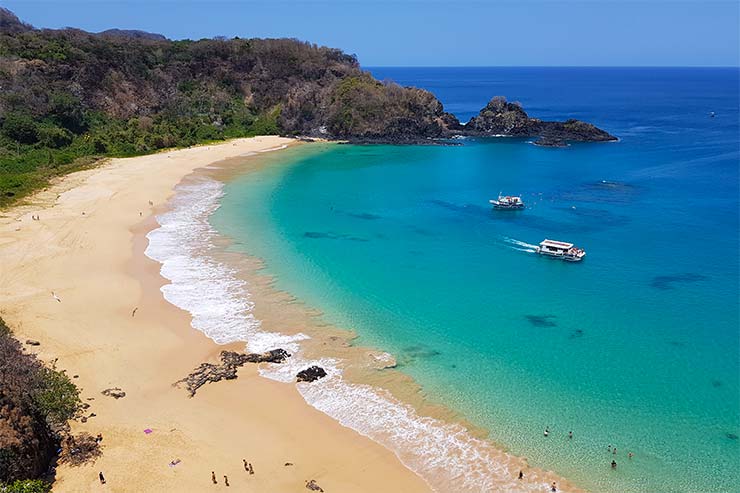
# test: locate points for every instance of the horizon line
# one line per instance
(551, 66)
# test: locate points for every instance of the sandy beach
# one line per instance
(112, 328)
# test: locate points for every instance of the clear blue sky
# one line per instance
(436, 32)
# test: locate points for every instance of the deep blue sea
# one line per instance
(637, 347)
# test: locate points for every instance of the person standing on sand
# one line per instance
(521, 474)
(246, 467)
(101, 477)
(226, 480)
(213, 477)
(554, 487)
(251, 469)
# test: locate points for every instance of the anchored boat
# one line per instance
(507, 202)
(561, 250)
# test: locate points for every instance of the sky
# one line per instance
(437, 32)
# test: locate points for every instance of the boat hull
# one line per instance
(561, 256)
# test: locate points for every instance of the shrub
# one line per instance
(20, 127)
(26, 486)
(56, 397)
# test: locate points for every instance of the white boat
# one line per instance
(562, 250)
(507, 202)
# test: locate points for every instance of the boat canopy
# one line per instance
(556, 244)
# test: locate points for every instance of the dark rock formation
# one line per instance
(313, 486)
(230, 362)
(114, 392)
(502, 118)
(311, 374)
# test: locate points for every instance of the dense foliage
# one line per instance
(26, 486)
(67, 93)
(35, 402)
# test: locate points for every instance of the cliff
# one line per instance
(36, 402)
(68, 95)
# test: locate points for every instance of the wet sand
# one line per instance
(87, 249)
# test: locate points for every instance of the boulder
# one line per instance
(311, 374)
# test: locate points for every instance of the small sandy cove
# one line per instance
(111, 327)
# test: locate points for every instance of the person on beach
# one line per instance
(570, 435)
(213, 477)
(226, 480)
(246, 466)
(547, 431)
(101, 477)
(614, 464)
(554, 487)
(251, 469)
(521, 474)
(630, 455)
(614, 451)
(53, 295)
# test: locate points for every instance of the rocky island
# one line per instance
(505, 119)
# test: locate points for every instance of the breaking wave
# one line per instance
(445, 454)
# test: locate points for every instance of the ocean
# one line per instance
(636, 348)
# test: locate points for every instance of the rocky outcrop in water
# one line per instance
(506, 119)
(231, 361)
(311, 374)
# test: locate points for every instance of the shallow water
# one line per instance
(636, 347)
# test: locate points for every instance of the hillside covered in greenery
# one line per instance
(68, 94)
(68, 97)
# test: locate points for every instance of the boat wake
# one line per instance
(520, 246)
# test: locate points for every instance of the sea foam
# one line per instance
(444, 454)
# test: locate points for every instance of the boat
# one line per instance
(507, 202)
(561, 250)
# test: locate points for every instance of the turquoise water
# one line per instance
(636, 347)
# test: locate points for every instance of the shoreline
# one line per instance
(369, 374)
(95, 264)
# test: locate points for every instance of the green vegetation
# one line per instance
(56, 397)
(26, 486)
(35, 404)
(68, 97)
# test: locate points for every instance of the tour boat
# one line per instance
(507, 202)
(561, 250)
